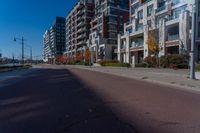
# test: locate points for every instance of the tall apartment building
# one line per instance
(54, 40)
(109, 19)
(78, 28)
(170, 19)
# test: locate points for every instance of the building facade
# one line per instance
(108, 21)
(78, 28)
(54, 40)
(169, 19)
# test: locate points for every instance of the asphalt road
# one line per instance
(60, 100)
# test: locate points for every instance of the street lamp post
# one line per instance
(193, 41)
(22, 42)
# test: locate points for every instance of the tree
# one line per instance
(78, 56)
(153, 45)
(87, 54)
(152, 42)
(60, 59)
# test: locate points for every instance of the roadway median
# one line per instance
(5, 68)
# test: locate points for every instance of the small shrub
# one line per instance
(104, 62)
(71, 63)
(125, 65)
(141, 65)
(80, 63)
(27, 66)
(197, 67)
(164, 61)
(151, 61)
(87, 63)
(113, 63)
(174, 61)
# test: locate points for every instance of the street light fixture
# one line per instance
(193, 41)
(22, 42)
(30, 53)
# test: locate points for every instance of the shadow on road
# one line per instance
(55, 101)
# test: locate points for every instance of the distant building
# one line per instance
(172, 21)
(109, 19)
(0, 54)
(54, 40)
(78, 28)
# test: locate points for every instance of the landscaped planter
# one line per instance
(197, 74)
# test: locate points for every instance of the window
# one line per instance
(175, 2)
(150, 10)
(140, 15)
(199, 29)
(133, 8)
(176, 12)
(112, 27)
(112, 35)
(198, 8)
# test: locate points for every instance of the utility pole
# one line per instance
(30, 53)
(22, 41)
(193, 41)
(22, 50)
(31, 56)
(13, 59)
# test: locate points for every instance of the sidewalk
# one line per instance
(175, 78)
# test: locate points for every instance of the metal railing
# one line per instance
(173, 37)
(161, 8)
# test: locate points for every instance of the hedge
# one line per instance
(168, 61)
(113, 63)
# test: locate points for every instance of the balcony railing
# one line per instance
(137, 44)
(139, 28)
(123, 46)
(173, 17)
(175, 2)
(173, 37)
(161, 8)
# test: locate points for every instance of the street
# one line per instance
(58, 99)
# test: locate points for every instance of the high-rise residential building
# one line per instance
(109, 19)
(170, 20)
(78, 28)
(54, 40)
(47, 50)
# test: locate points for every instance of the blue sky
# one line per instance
(30, 19)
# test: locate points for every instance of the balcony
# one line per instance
(81, 36)
(80, 24)
(175, 2)
(173, 37)
(137, 44)
(172, 20)
(123, 46)
(159, 9)
(139, 28)
(128, 24)
(81, 42)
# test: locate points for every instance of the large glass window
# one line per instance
(199, 29)
(150, 10)
(198, 8)
(174, 2)
(176, 13)
(133, 8)
(140, 14)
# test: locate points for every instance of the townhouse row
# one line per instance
(169, 19)
(119, 29)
